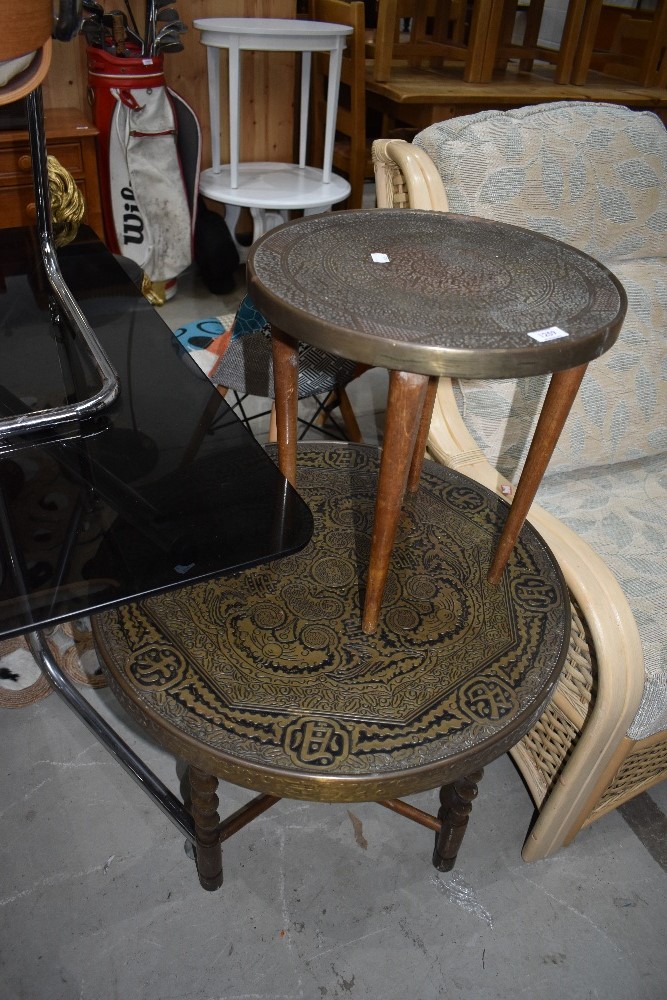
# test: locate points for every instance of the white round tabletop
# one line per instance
(257, 33)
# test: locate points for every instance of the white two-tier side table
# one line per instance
(271, 190)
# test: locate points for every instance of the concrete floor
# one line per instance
(98, 900)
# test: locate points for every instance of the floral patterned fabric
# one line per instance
(593, 175)
(621, 511)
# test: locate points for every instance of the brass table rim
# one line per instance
(456, 362)
(343, 788)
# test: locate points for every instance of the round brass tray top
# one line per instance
(458, 295)
(265, 678)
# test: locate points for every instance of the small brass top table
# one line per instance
(426, 294)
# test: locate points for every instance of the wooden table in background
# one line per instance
(419, 99)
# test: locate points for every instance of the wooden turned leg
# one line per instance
(455, 807)
(422, 435)
(273, 426)
(204, 810)
(286, 389)
(405, 403)
(559, 398)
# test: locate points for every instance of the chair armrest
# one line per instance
(406, 177)
(620, 676)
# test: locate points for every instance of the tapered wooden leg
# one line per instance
(273, 426)
(405, 404)
(455, 807)
(204, 810)
(339, 398)
(350, 424)
(557, 404)
(286, 388)
(422, 435)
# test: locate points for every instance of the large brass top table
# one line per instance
(265, 679)
(426, 294)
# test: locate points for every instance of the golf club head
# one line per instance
(170, 32)
(93, 32)
(166, 36)
(167, 15)
(170, 47)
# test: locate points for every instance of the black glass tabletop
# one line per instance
(143, 497)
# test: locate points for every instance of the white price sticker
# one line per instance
(380, 258)
(551, 333)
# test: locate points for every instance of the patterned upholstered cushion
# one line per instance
(621, 511)
(590, 174)
(594, 175)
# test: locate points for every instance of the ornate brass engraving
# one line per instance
(269, 671)
(317, 742)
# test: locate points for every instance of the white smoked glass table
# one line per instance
(271, 190)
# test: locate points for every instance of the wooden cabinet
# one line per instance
(71, 139)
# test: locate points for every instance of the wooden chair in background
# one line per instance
(483, 37)
(645, 65)
(527, 47)
(410, 33)
(352, 152)
(437, 32)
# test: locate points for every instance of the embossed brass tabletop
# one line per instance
(426, 294)
(265, 678)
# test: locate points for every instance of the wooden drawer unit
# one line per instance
(71, 139)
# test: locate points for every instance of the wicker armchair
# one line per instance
(603, 738)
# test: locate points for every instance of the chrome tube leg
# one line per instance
(109, 738)
(46, 419)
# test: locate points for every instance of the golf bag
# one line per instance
(148, 215)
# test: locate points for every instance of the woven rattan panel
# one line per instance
(546, 747)
(266, 678)
(641, 769)
(577, 682)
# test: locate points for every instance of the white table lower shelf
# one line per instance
(270, 191)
